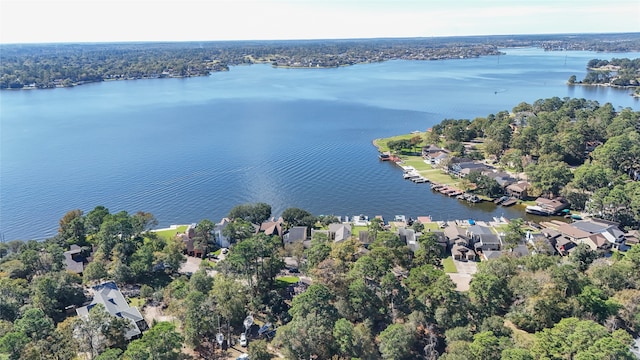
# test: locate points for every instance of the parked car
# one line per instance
(243, 340)
(224, 250)
(294, 270)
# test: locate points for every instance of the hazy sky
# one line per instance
(176, 20)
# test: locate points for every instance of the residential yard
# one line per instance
(449, 266)
(381, 144)
(287, 280)
(171, 232)
(136, 302)
(432, 226)
(355, 230)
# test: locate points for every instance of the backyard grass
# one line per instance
(500, 228)
(170, 233)
(449, 266)
(136, 302)
(287, 280)
(431, 226)
(355, 230)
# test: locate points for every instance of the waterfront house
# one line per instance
(76, 259)
(271, 227)
(462, 167)
(483, 238)
(456, 234)
(295, 234)
(552, 206)
(115, 304)
(607, 230)
(434, 155)
(218, 230)
(408, 236)
(189, 246)
(337, 232)
(519, 190)
(502, 178)
(431, 149)
(437, 158)
(486, 242)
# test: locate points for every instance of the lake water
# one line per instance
(189, 149)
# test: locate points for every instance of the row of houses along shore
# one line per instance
(464, 240)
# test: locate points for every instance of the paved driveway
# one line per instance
(462, 278)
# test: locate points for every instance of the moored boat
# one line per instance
(536, 210)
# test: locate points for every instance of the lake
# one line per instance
(190, 149)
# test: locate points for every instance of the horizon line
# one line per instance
(312, 39)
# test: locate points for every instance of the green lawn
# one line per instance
(418, 163)
(355, 230)
(284, 281)
(136, 302)
(500, 228)
(382, 143)
(168, 234)
(449, 266)
(431, 226)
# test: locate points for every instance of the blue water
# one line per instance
(189, 149)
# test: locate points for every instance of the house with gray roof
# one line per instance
(609, 230)
(109, 296)
(455, 233)
(483, 238)
(295, 234)
(76, 259)
(408, 236)
(337, 232)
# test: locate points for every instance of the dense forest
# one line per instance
(33, 66)
(587, 152)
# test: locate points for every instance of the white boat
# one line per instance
(536, 210)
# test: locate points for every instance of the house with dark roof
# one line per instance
(486, 242)
(76, 259)
(108, 295)
(295, 234)
(483, 238)
(408, 236)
